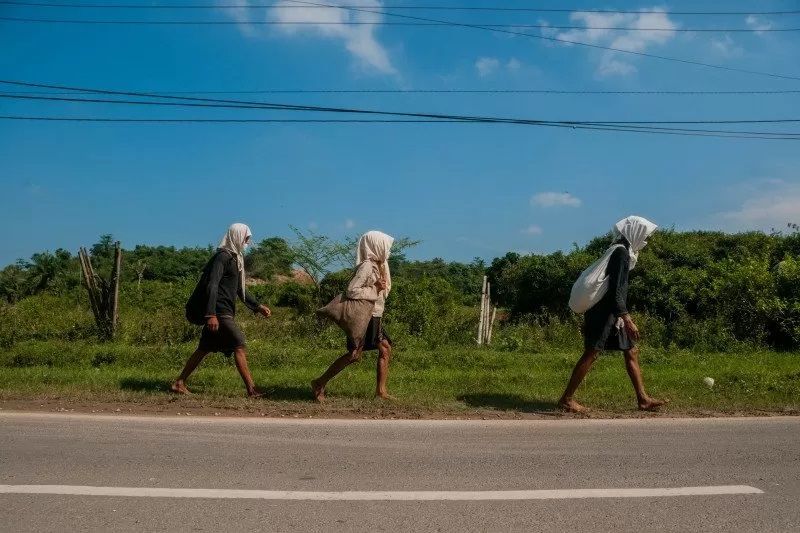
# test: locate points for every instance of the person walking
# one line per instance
(608, 324)
(213, 305)
(372, 282)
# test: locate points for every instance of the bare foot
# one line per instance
(179, 387)
(385, 396)
(255, 393)
(318, 390)
(571, 406)
(651, 404)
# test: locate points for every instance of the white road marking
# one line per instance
(427, 495)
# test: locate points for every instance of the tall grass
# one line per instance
(49, 347)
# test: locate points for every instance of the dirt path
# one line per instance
(202, 406)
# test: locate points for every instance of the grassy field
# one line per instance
(450, 381)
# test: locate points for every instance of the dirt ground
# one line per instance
(210, 407)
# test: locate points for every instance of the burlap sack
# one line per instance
(352, 316)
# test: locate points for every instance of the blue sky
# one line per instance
(464, 190)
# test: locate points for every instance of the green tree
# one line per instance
(45, 269)
(13, 282)
(317, 254)
(270, 257)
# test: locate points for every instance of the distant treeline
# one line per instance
(708, 290)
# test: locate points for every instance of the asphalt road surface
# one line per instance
(62, 472)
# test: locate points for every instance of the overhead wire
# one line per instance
(642, 126)
(421, 7)
(629, 126)
(382, 23)
(305, 3)
(244, 104)
(456, 91)
(553, 39)
(699, 133)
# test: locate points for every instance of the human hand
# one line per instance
(380, 285)
(631, 328)
(212, 323)
(265, 311)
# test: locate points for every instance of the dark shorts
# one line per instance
(226, 339)
(372, 338)
(601, 333)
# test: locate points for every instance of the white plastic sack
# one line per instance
(592, 284)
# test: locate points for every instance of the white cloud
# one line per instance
(486, 66)
(769, 204)
(612, 63)
(532, 230)
(726, 46)
(349, 224)
(759, 24)
(546, 29)
(514, 64)
(614, 67)
(555, 199)
(359, 40)
(242, 16)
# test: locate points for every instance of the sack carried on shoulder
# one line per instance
(352, 316)
(196, 306)
(592, 284)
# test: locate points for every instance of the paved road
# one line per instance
(336, 456)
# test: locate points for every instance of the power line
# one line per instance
(438, 25)
(224, 104)
(236, 120)
(394, 7)
(509, 31)
(236, 103)
(627, 129)
(554, 39)
(605, 126)
(740, 132)
(629, 126)
(444, 91)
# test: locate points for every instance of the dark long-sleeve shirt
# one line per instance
(600, 321)
(617, 272)
(218, 288)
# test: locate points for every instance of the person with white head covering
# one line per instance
(213, 305)
(371, 281)
(607, 324)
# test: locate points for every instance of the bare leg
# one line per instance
(240, 358)
(179, 386)
(582, 368)
(318, 385)
(646, 403)
(384, 356)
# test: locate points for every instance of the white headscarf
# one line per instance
(376, 246)
(636, 230)
(234, 242)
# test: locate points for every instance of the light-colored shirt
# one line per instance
(362, 287)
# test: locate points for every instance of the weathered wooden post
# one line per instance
(486, 312)
(113, 311)
(103, 295)
(482, 312)
(491, 325)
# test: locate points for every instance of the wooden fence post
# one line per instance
(482, 314)
(113, 304)
(491, 325)
(487, 312)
